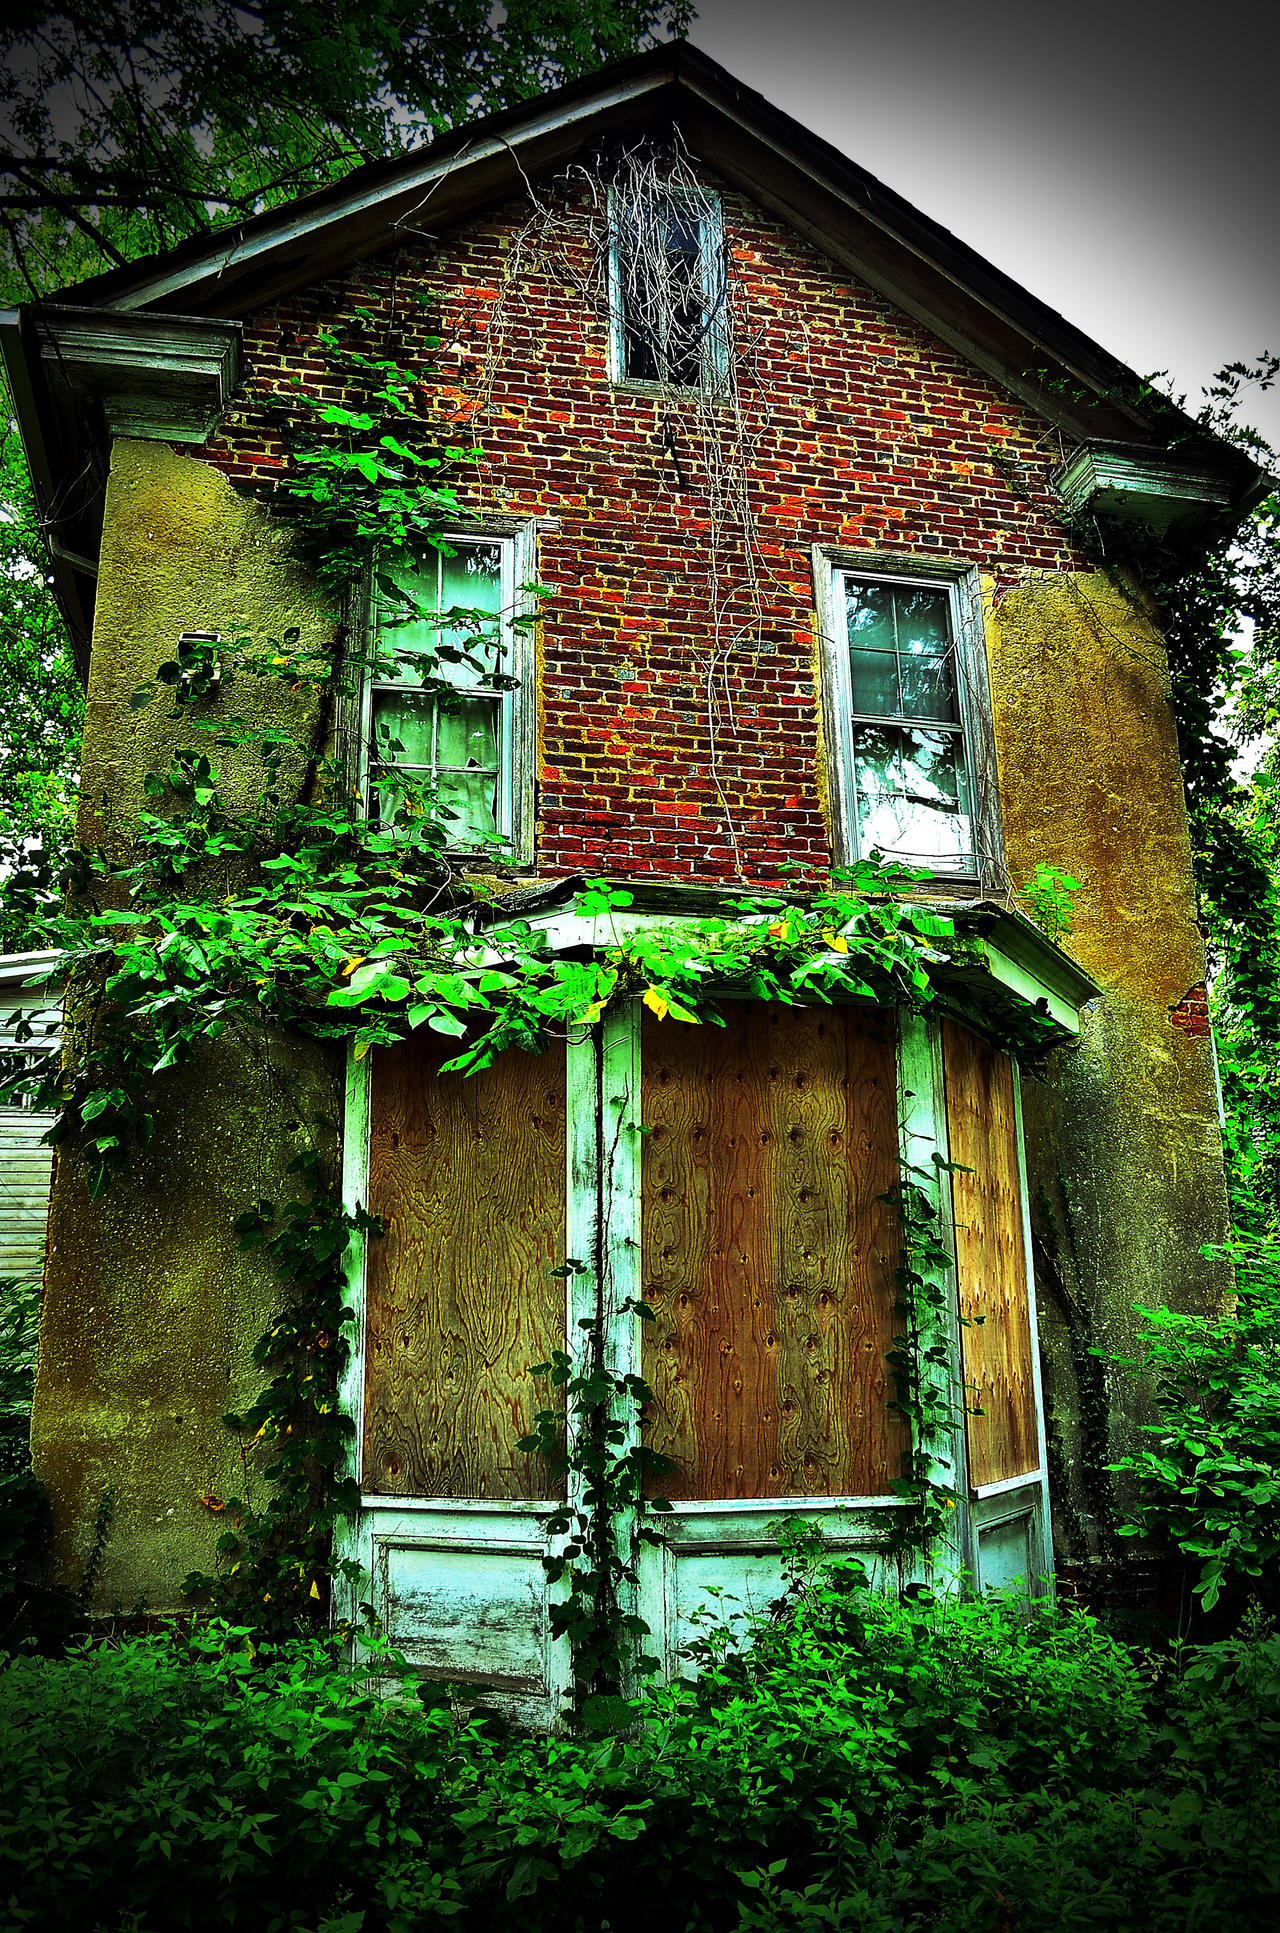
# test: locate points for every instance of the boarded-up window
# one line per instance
(991, 1259)
(470, 1176)
(768, 1256)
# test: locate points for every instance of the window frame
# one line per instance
(517, 708)
(714, 349)
(831, 565)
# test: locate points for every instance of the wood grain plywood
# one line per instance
(766, 1256)
(991, 1260)
(470, 1176)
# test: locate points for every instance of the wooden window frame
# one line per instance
(832, 563)
(518, 708)
(714, 355)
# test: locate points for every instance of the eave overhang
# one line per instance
(169, 377)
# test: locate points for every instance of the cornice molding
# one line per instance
(168, 378)
(1157, 487)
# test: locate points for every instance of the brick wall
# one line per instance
(679, 731)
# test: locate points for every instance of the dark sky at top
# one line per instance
(1119, 161)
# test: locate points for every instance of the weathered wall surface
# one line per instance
(679, 737)
(150, 1312)
(1123, 1148)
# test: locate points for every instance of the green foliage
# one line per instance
(1050, 895)
(41, 711)
(1244, 934)
(124, 129)
(592, 1443)
(1210, 1481)
(927, 1767)
(920, 1363)
(276, 1556)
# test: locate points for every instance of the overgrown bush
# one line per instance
(871, 1765)
(1209, 1483)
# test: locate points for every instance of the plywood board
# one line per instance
(461, 1300)
(991, 1262)
(766, 1254)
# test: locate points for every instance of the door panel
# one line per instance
(767, 1256)
(461, 1298)
(991, 1260)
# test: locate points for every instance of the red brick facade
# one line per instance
(1192, 1011)
(665, 747)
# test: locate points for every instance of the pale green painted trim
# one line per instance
(582, 1200)
(1045, 1520)
(159, 377)
(1158, 486)
(620, 1152)
(348, 1537)
(567, 932)
(922, 1119)
(1028, 986)
(619, 1170)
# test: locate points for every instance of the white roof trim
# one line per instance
(424, 179)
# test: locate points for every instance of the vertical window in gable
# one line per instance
(668, 286)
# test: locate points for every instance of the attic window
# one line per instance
(668, 286)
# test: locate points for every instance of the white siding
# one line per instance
(25, 1164)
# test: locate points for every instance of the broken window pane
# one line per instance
(670, 289)
(441, 745)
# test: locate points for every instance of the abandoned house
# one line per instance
(802, 484)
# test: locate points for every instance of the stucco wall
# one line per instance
(150, 1310)
(1123, 1148)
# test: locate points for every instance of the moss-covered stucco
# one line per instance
(151, 1311)
(1123, 1149)
(181, 551)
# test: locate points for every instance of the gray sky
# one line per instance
(1119, 162)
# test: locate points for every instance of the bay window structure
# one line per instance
(906, 718)
(448, 704)
(737, 1181)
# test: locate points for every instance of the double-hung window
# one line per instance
(906, 726)
(668, 288)
(449, 702)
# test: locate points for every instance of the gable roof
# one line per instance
(838, 206)
(854, 219)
